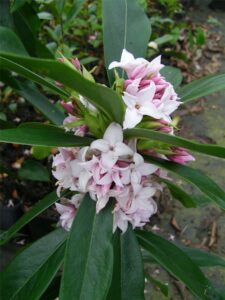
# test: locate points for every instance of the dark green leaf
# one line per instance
(177, 263)
(33, 170)
(105, 99)
(89, 254)
(37, 209)
(10, 65)
(29, 273)
(37, 134)
(195, 177)
(10, 42)
(202, 87)
(203, 258)
(200, 257)
(73, 12)
(173, 75)
(128, 278)
(16, 4)
(5, 16)
(141, 133)
(41, 152)
(164, 289)
(42, 103)
(125, 25)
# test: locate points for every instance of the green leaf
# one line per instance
(89, 254)
(173, 75)
(37, 209)
(128, 277)
(10, 42)
(30, 273)
(16, 4)
(201, 258)
(164, 289)
(41, 102)
(202, 87)
(177, 263)
(105, 99)
(212, 150)
(187, 200)
(206, 185)
(73, 12)
(10, 65)
(33, 170)
(37, 134)
(41, 152)
(125, 25)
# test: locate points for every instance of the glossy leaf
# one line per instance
(37, 209)
(10, 42)
(141, 133)
(177, 263)
(202, 87)
(33, 170)
(37, 134)
(25, 72)
(41, 102)
(30, 272)
(128, 278)
(173, 75)
(195, 177)
(89, 254)
(125, 25)
(105, 99)
(200, 257)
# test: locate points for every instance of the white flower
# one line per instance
(111, 146)
(139, 105)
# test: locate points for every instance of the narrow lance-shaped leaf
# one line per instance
(27, 217)
(201, 258)
(128, 277)
(177, 263)
(202, 87)
(141, 133)
(30, 273)
(37, 134)
(105, 99)
(125, 25)
(89, 254)
(195, 177)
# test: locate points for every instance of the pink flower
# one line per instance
(180, 156)
(67, 210)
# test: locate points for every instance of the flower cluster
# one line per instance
(108, 169)
(146, 93)
(111, 169)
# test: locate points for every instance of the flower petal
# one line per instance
(108, 159)
(132, 118)
(113, 134)
(122, 149)
(101, 145)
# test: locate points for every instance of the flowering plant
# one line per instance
(115, 148)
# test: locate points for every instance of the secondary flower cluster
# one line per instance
(111, 169)
(146, 93)
(107, 169)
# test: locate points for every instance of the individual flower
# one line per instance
(140, 105)
(67, 210)
(111, 146)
